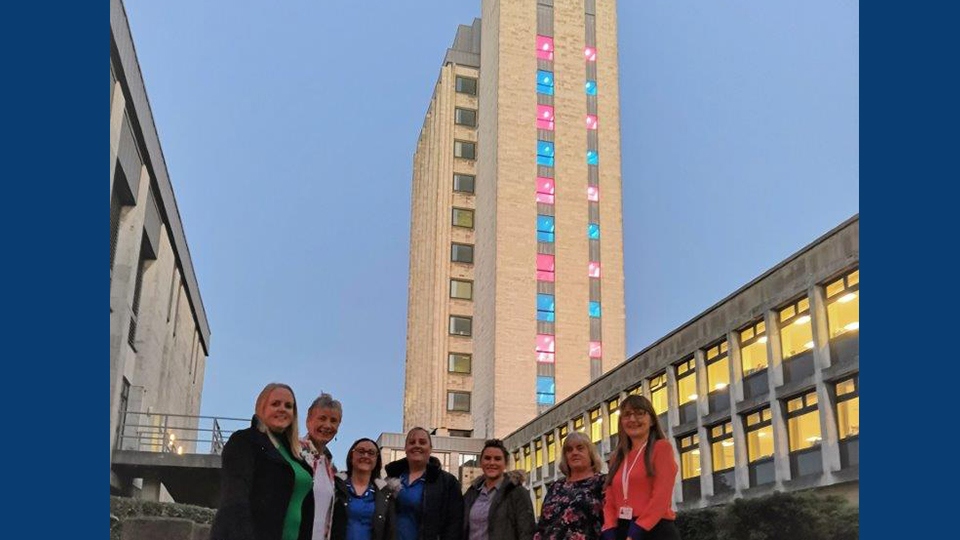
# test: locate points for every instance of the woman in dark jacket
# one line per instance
(429, 503)
(497, 505)
(265, 486)
(364, 505)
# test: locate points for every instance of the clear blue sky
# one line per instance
(289, 129)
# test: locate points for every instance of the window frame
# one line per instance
(459, 145)
(784, 322)
(457, 120)
(451, 362)
(453, 250)
(458, 88)
(764, 419)
(757, 335)
(461, 317)
(451, 401)
(467, 211)
(805, 408)
(468, 282)
(473, 183)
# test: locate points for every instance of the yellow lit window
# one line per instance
(753, 349)
(689, 457)
(803, 422)
(843, 304)
(613, 409)
(848, 408)
(538, 495)
(759, 435)
(596, 425)
(658, 393)
(551, 448)
(517, 464)
(538, 445)
(686, 382)
(578, 424)
(718, 367)
(527, 460)
(721, 447)
(796, 334)
(563, 433)
(636, 390)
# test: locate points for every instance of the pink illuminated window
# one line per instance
(547, 343)
(591, 121)
(544, 48)
(545, 117)
(590, 53)
(593, 269)
(545, 190)
(596, 350)
(546, 357)
(593, 193)
(545, 262)
(545, 198)
(543, 275)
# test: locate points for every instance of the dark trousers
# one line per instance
(665, 529)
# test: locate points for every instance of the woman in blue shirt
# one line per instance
(365, 507)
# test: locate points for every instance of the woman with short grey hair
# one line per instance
(323, 422)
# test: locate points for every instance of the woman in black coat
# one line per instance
(364, 504)
(262, 473)
(497, 506)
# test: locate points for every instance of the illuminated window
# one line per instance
(463, 217)
(546, 390)
(538, 496)
(538, 450)
(658, 393)
(803, 422)
(527, 461)
(636, 390)
(686, 381)
(545, 267)
(689, 447)
(591, 88)
(596, 425)
(593, 269)
(465, 117)
(594, 310)
(848, 407)
(545, 190)
(544, 82)
(466, 85)
(593, 158)
(462, 253)
(464, 183)
(796, 335)
(596, 349)
(578, 424)
(593, 193)
(461, 289)
(753, 348)
(551, 448)
(843, 305)
(563, 433)
(545, 117)
(546, 348)
(593, 231)
(613, 411)
(465, 149)
(545, 153)
(458, 401)
(721, 446)
(591, 121)
(718, 368)
(590, 53)
(461, 326)
(759, 427)
(546, 307)
(545, 228)
(544, 47)
(459, 362)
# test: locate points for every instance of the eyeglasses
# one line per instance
(634, 414)
(364, 452)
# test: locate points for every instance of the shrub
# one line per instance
(794, 516)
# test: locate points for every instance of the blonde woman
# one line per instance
(573, 507)
(265, 486)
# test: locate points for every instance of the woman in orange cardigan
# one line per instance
(639, 487)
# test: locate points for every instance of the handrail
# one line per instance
(175, 433)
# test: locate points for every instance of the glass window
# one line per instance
(546, 348)
(545, 190)
(465, 117)
(753, 348)
(538, 450)
(545, 82)
(613, 410)
(595, 349)
(689, 448)
(590, 53)
(461, 289)
(686, 381)
(591, 121)
(464, 183)
(721, 446)
(593, 158)
(596, 425)
(848, 407)
(545, 228)
(551, 448)
(591, 88)
(458, 401)
(545, 267)
(546, 307)
(462, 253)
(459, 362)
(593, 231)
(465, 149)
(538, 495)
(658, 393)
(461, 326)
(593, 193)
(803, 422)
(563, 433)
(593, 269)
(463, 217)
(527, 461)
(843, 304)
(546, 390)
(759, 429)
(544, 47)
(796, 335)
(718, 367)
(578, 424)
(466, 85)
(594, 310)
(545, 117)
(545, 153)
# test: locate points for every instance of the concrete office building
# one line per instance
(159, 336)
(758, 393)
(516, 281)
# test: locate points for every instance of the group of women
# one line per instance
(276, 486)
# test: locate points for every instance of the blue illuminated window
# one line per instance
(593, 158)
(545, 153)
(591, 88)
(544, 82)
(546, 302)
(595, 310)
(593, 231)
(545, 229)
(546, 390)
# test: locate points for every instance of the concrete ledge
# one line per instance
(162, 528)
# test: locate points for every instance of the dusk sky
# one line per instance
(288, 129)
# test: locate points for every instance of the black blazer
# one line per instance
(256, 484)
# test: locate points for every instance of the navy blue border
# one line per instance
(55, 252)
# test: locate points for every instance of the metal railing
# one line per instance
(176, 433)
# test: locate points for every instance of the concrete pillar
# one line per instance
(829, 443)
(741, 472)
(781, 448)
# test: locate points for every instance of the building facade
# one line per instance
(758, 393)
(516, 287)
(159, 335)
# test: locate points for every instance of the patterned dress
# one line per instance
(572, 510)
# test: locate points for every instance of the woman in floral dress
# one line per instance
(573, 507)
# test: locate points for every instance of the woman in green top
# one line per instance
(265, 486)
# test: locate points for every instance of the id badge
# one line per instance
(626, 512)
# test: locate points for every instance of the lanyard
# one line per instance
(626, 471)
